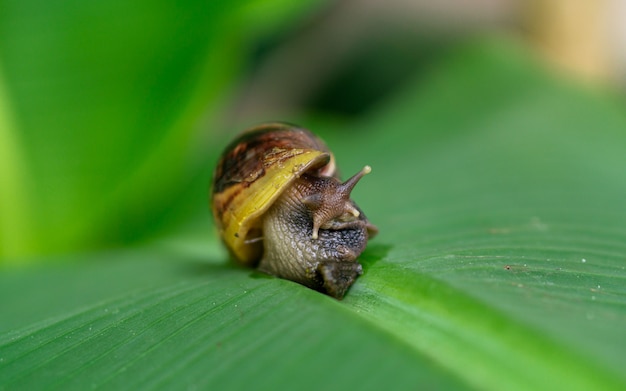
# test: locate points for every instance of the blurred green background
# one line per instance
(109, 113)
(112, 114)
(496, 132)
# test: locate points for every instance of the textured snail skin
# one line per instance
(328, 263)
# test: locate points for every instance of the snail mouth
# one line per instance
(345, 221)
(349, 221)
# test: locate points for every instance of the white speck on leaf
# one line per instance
(537, 224)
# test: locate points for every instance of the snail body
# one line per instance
(280, 207)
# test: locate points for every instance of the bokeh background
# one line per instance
(113, 113)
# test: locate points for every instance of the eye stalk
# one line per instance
(332, 201)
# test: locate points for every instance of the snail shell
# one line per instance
(279, 206)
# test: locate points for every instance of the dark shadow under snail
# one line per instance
(280, 207)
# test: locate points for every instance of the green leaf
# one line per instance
(156, 319)
(14, 223)
(498, 191)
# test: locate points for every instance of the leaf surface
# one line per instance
(500, 263)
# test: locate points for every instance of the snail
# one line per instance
(279, 206)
